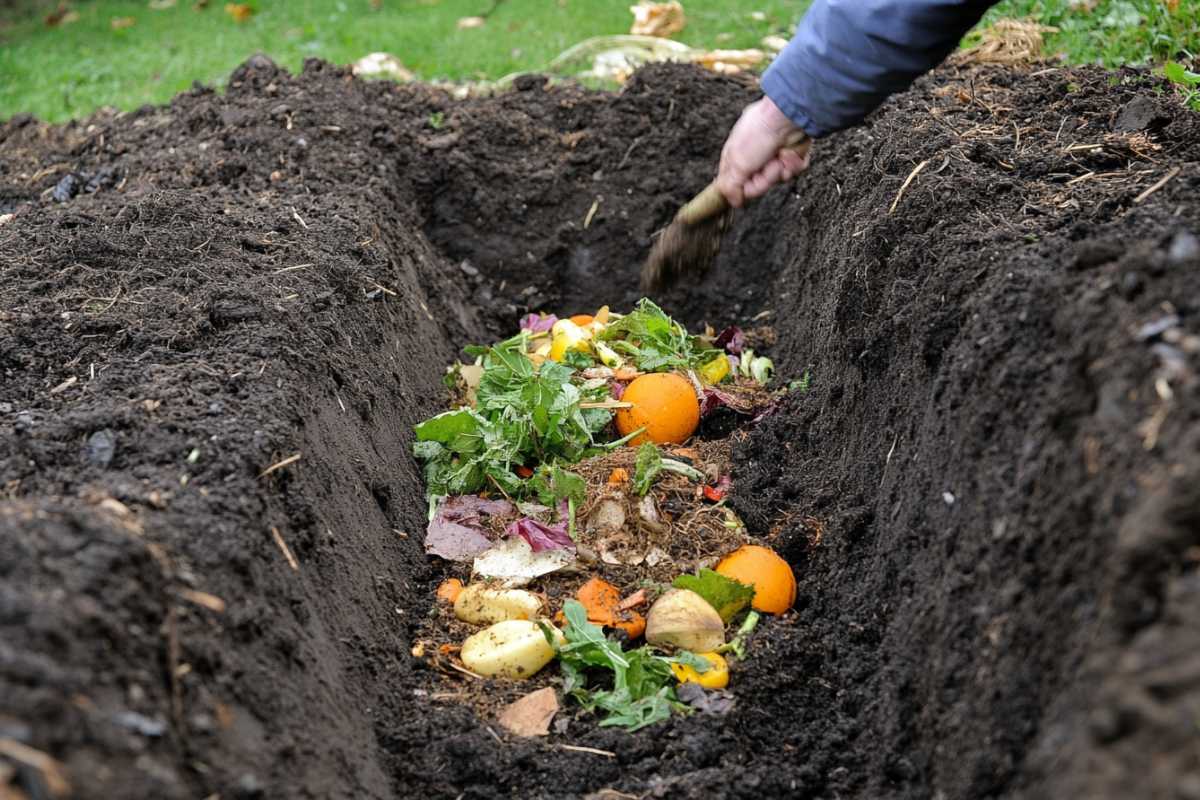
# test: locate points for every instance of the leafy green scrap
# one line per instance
(724, 594)
(643, 690)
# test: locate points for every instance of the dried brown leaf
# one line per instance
(531, 715)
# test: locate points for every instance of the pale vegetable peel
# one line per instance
(683, 619)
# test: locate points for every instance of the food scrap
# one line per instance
(575, 495)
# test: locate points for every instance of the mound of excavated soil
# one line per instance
(220, 319)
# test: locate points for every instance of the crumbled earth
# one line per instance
(220, 319)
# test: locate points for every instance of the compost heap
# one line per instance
(534, 481)
(220, 321)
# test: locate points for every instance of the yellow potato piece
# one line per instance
(515, 649)
(481, 605)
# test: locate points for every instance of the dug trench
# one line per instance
(220, 319)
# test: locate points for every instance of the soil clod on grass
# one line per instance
(287, 267)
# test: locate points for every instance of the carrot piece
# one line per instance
(634, 626)
(449, 590)
(714, 494)
(634, 600)
(600, 599)
(618, 476)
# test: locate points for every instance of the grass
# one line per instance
(69, 70)
(1114, 32)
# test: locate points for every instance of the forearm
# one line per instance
(848, 56)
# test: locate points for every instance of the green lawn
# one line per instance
(69, 70)
(1116, 31)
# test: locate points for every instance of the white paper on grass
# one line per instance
(514, 562)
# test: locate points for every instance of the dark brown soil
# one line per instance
(989, 492)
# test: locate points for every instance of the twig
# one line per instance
(594, 751)
(465, 671)
(279, 465)
(67, 384)
(171, 623)
(607, 404)
(287, 553)
(628, 153)
(1160, 184)
(591, 213)
(382, 288)
(296, 216)
(112, 301)
(907, 181)
(499, 488)
(204, 599)
(888, 460)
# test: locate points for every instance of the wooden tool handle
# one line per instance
(710, 202)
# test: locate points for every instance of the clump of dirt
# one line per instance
(988, 489)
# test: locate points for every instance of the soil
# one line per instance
(989, 490)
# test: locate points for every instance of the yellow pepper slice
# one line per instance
(715, 677)
(715, 371)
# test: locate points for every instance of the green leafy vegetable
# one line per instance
(737, 645)
(522, 415)
(724, 594)
(650, 463)
(643, 690)
(654, 341)
(551, 483)
(462, 450)
(646, 468)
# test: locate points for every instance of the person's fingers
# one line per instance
(733, 172)
(793, 162)
(730, 185)
(758, 184)
(752, 160)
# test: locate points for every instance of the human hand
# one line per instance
(759, 153)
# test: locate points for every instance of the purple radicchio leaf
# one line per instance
(542, 536)
(713, 399)
(756, 405)
(536, 323)
(732, 340)
(457, 532)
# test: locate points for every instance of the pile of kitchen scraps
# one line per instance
(588, 523)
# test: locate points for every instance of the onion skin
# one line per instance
(684, 620)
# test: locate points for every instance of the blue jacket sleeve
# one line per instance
(848, 56)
